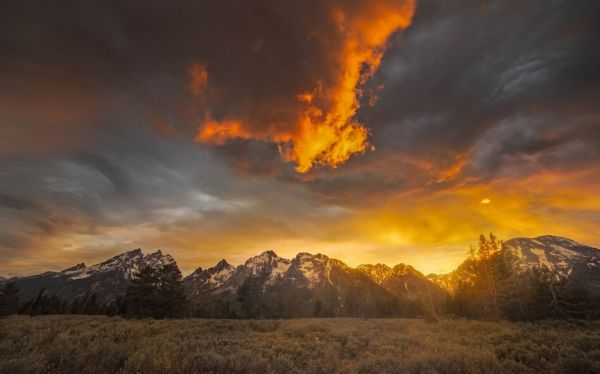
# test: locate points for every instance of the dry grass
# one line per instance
(86, 344)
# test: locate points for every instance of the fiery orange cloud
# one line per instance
(324, 130)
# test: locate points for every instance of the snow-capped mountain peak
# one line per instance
(314, 268)
(126, 263)
(107, 279)
(211, 278)
(267, 262)
(158, 260)
(554, 252)
(568, 259)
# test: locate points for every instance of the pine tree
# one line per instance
(142, 297)
(250, 297)
(155, 293)
(487, 249)
(9, 299)
(171, 292)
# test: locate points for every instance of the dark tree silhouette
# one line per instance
(155, 294)
(9, 299)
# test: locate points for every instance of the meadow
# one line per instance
(99, 344)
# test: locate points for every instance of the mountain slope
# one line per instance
(573, 261)
(407, 283)
(108, 279)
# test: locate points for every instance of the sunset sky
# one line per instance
(372, 131)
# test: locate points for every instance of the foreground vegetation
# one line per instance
(100, 344)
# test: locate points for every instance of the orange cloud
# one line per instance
(323, 130)
(220, 132)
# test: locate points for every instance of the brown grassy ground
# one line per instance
(96, 344)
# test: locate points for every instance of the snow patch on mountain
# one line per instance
(541, 255)
(128, 263)
(220, 274)
(554, 252)
(314, 268)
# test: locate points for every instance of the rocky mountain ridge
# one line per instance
(108, 279)
(303, 286)
(268, 285)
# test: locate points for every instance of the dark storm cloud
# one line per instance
(493, 82)
(257, 60)
(485, 62)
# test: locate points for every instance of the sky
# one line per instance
(391, 131)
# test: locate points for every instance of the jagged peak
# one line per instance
(157, 253)
(220, 266)
(307, 255)
(223, 264)
(376, 266)
(169, 258)
(79, 266)
(159, 258)
(137, 251)
(403, 267)
(268, 254)
(125, 256)
(265, 257)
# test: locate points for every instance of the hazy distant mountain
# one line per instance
(574, 261)
(108, 279)
(405, 282)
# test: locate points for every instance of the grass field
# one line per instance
(97, 344)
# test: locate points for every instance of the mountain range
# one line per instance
(309, 284)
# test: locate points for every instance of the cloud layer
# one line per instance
(185, 128)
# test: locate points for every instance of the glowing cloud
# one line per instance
(322, 129)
